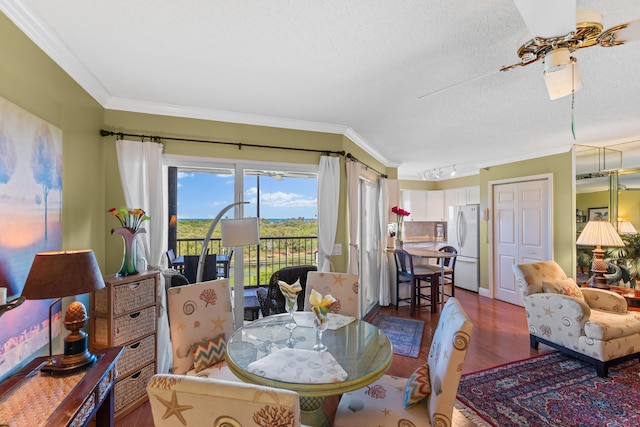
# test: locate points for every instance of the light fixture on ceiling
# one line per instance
(561, 74)
(435, 174)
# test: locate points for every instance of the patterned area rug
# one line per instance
(405, 334)
(552, 390)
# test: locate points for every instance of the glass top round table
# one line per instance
(360, 348)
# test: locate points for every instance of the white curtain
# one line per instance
(383, 217)
(353, 182)
(328, 194)
(140, 165)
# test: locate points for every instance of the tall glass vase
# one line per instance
(399, 237)
(129, 255)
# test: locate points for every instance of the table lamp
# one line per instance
(598, 234)
(61, 274)
(625, 227)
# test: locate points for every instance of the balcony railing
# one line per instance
(260, 261)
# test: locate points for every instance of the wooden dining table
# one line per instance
(432, 254)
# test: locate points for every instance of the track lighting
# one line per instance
(436, 173)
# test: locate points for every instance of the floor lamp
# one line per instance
(598, 234)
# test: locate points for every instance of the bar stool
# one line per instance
(416, 278)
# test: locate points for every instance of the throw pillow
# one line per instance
(208, 351)
(566, 287)
(418, 386)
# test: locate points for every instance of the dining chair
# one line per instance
(342, 286)
(201, 321)
(449, 272)
(416, 278)
(274, 302)
(427, 397)
(191, 267)
(178, 400)
(223, 270)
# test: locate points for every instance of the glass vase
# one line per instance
(399, 241)
(291, 304)
(320, 325)
(129, 255)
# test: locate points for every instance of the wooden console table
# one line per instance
(30, 398)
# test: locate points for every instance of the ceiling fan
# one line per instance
(559, 30)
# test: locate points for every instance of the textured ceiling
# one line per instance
(356, 67)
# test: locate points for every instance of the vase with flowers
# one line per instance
(131, 221)
(400, 215)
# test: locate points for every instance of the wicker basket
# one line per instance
(136, 355)
(133, 387)
(134, 325)
(126, 297)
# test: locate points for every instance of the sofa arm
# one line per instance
(557, 318)
(601, 299)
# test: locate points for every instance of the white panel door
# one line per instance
(505, 230)
(521, 232)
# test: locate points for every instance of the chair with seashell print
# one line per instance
(201, 322)
(427, 397)
(342, 286)
(178, 400)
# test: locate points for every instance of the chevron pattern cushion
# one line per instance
(418, 386)
(209, 351)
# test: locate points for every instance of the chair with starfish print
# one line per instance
(178, 401)
(201, 323)
(342, 286)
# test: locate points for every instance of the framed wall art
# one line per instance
(599, 214)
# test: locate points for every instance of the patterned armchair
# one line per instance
(342, 286)
(588, 323)
(427, 397)
(178, 401)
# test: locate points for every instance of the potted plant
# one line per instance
(628, 257)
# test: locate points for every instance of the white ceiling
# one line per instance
(356, 67)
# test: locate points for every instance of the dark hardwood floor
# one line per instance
(500, 336)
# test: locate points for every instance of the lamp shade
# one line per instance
(61, 274)
(240, 232)
(563, 81)
(625, 227)
(599, 233)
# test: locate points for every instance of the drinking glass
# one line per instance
(291, 304)
(320, 325)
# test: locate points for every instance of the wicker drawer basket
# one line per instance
(126, 297)
(126, 328)
(137, 354)
(133, 387)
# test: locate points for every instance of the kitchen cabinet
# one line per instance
(435, 206)
(455, 197)
(415, 201)
(473, 195)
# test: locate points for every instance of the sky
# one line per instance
(203, 195)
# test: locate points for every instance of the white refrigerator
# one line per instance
(463, 234)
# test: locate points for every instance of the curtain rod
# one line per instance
(352, 158)
(237, 144)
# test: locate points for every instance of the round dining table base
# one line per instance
(311, 412)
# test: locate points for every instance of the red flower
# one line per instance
(399, 211)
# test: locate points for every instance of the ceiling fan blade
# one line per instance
(548, 18)
(620, 34)
(460, 83)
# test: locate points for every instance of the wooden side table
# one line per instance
(631, 295)
(30, 397)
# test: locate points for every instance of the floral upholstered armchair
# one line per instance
(178, 400)
(591, 324)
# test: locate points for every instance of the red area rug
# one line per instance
(552, 390)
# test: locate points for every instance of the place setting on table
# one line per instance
(316, 353)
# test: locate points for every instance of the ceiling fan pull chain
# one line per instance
(573, 95)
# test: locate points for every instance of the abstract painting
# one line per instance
(30, 222)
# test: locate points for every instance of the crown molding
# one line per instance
(47, 40)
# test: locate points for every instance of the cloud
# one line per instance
(280, 199)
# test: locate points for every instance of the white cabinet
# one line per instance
(435, 206)
(415, 201)
(473, 195)
(455, 197)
